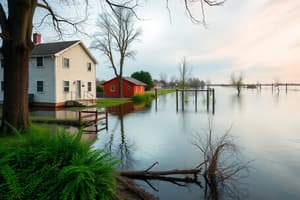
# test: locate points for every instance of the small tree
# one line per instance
(145, 77)
(183, 72)
(116, 36)
(237, 82)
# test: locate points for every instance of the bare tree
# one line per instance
(222, 167)
(16, 23)
(116, 36)
(237, 82)
(184, 71)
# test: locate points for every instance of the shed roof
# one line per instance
(135, 81)
(129, 79)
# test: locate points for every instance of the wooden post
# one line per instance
(106, 119)
(286, 88)
(182, 99)
(176, 100)
(207, 99)
(196, 100)
(79, 118)
(155, 99)
(213, 101)
(272, 88)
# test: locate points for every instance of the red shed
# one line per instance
(130, 87)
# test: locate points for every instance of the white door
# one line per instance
(78, 89)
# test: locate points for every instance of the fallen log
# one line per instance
(133, 173)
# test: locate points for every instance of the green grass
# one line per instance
(161, 92)
(41, 164)
(107, 102)
(142, 98)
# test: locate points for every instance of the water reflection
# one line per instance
(118, 143)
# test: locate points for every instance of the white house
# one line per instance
(60, 73)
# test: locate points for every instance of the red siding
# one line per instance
(128, 89)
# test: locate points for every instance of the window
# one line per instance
(2, 85)
(89, 67)
(66, 86)
(2, 63)
(66, 62)
(89, 86)
(39, 61)
(40, 86)
(112, 88)
(129, 87)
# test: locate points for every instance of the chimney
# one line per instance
(37, 38)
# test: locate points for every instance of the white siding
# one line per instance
(45, 74)
(53, 74)
(77, 70)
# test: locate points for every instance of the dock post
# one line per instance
(182, 99)
(155, 99)
(106, 119)
(176, 100)
(272, 87)
(79, 118)
(213, 100)
(207, 99)
(196, 100)
(286, 88)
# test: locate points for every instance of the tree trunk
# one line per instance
(16, 50)
(120, 86)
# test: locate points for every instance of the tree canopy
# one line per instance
(145, 77)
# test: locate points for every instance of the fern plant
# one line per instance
(42, 164)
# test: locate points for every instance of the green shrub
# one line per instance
(142, 98)
(45, 165)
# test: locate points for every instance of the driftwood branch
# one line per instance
(172, 176)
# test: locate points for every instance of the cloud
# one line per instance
(264, 38)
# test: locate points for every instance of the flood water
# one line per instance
(263, 127)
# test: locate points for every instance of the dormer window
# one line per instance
(39, 62)
(66, 63)
(89, 67)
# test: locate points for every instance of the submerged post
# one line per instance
(213, 101)
(182, 99)
(176, 100)
(196, 100)
(207, 99)
(155, 99)
(106, 119)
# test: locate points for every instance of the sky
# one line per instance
(258, 39)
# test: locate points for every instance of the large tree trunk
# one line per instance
(120, 86)
(16, 50)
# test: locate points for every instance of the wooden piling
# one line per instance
(213, 101)
(155, 99)
(196, 100)
(207, 99)
(176, 100)
(182, 100)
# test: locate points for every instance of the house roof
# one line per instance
(129, 79)
(134, 81)
(51, 48)
(56, 48)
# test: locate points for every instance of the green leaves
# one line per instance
(47, 164)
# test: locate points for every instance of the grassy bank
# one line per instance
(106, 102)
(161, 92)
(41, 164)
